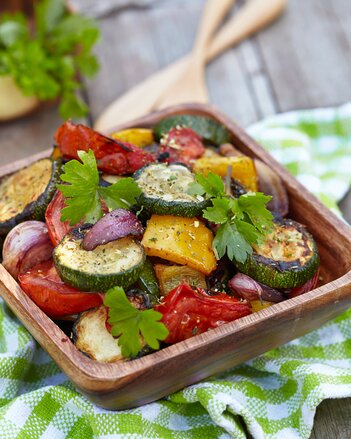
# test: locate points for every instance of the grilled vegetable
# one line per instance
(187, 311)
(310, 285)
(45, 287)
(113, 156)
(147, 281)
(185, 241)
(287, 258)
(243, 169)
(140, 137)
(107, 180)
(26, 245)
(116, 263)
(171, 276)
(165, 190)
(25, 194)
(250, 289)
(116, 224)
(210, 130)
(180, 145)
(57, 229)
(91, 337)
(270, 183)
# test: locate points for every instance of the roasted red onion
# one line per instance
(310, 285)
(114, 225)
(26, 245)
(270, 183)
(249, 289)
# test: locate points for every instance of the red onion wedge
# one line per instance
(114, 225)
(249, 289)
(270, 183)
(26, 245)
(310, 285)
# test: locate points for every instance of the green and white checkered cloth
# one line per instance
(276, 394)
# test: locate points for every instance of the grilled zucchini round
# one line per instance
(165, 190)
(116, 263)
(286, 259)
(25, 194)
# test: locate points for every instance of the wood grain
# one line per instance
(123, 385)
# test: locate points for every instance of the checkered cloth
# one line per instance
(276, 394)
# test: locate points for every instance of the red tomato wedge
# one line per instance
(56, 228)
(187, 312)
(45, 287)
(112, 156)
(181, 145)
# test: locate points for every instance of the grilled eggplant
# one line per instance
(25, 194)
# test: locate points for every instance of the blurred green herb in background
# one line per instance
(46, 62)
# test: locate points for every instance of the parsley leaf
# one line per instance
(46, 62)
(131, 324)
(244, 221)
(211, 185)
(83, 193)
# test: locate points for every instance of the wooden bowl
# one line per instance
(130, 384)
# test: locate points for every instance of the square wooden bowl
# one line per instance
(136, 382)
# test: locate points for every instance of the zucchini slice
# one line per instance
(164, 190)
(147, 281)
(115, 263)
(210, 130)
(25, 194)
(91, 336)
(286, 259)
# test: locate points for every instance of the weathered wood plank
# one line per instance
(21, 138)
(333, 420)
(152, 39)
(304, 54)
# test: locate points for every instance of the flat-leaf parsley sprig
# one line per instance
(244, 221)
(83, 195)
(132, 325)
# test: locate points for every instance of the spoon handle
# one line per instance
(212, 16)
(250, 18)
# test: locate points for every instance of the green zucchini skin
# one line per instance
(36, 209)
(147, 282)
(282, 274)
(155, 204)
(95, 280)
(210, 130)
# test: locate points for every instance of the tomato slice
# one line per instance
(57, 229)
(187, 311)
(45, 287)
(181, 144)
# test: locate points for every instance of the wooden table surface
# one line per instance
(302, 61)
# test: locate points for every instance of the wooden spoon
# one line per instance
(191, 82)
(142, 98)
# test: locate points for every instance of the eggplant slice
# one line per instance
(25, 194)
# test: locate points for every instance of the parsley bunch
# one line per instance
(130, 324)
(45, 63)
(244, 221)
(84, 194)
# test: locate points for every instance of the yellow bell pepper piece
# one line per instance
(243, 169)
(137, 136)
(170, 276)
(185, 241)
(257, 305)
